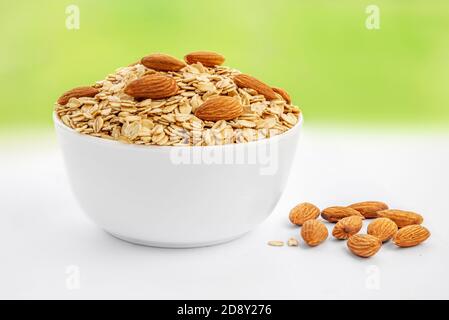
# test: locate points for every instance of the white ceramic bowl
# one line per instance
(177, 196)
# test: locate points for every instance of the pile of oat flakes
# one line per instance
(110, 113)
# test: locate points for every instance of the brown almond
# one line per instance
(206, 58)
(347, 227)
(77, 93)
(154, 86)
(314, 232)
(364, 245)
(303, 212)
(162, 62)
(400, 217)
(284, 94)
(336, 213)
(411, 235)
(219, 108)
(246, 81)
(369, 209)
(383, 228)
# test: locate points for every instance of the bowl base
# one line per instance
(174, 245)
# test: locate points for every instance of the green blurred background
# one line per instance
(336, 69)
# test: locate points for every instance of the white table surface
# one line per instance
(49, 249)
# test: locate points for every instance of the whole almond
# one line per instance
(303, 212)
(284, 94)
(154, 86)
(411, 235)
(314, 232)
(383, 228)
(400, 217)
(369, 209)
(364, 245)
(246, 81)
(162, 62)
(206, 58)
(347, 227)
(77, 93)
(219, 108)
(336, 213)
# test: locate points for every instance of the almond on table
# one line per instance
(314, 232)
(401, 217)
(364, 245)
(336, 213)
(347, 227)
(383, 228)
(411, 236)
(303, 212)
(369, 209)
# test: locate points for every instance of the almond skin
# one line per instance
(347, 227)
(77, 93)
(364, 245)
(314, 232)
(369, 209)
(246, 81)
(154, 86)
(401, 218)
(283, 94)
(336, 213)
(382, 228)
(162, 62)
(411, 235)
(303, 212)
(219, 108)
(206, 58)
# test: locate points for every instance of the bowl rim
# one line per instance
(88, 138)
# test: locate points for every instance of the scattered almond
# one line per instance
(347, 227)
(275, 243)
(411, 235)
(78, 92)
(314, 232)
(336, 213)
(401, 218)
(369, 209)
(303, 212)
(246, 81)
(364, 245)
(206, 58)
(283, 94)
(219, 108)
(154, 86)
(292, 242)
(162, 62)
(382, 228)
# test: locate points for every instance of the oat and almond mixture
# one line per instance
(164, 101)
